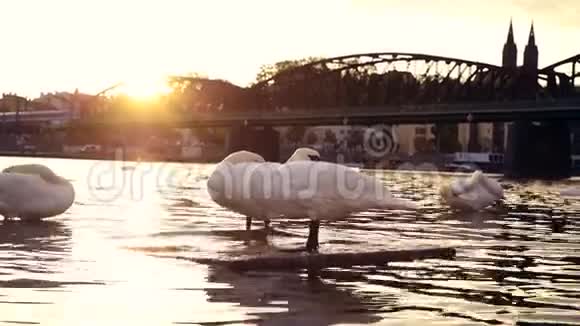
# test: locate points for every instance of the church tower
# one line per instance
(531, 53)
(509, 60)
(510, 50)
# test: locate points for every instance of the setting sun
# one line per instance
(144, 88)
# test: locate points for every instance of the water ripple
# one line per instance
(116, 250)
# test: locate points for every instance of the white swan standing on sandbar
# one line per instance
(474, 193)
(220, 179)
(300, 154)
(244, 183)
(32, 192)
(247, 207)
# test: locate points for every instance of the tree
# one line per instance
(208, 94)
(270, 70)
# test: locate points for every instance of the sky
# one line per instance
(63, 45)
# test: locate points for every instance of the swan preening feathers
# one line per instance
(33, 192)
(302, 187)
(474, 193)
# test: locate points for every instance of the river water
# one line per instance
(119, 256)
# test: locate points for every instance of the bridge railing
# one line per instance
(504, 111)
(396, 109)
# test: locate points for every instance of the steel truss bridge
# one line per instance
(408, 78)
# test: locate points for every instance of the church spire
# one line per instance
(510, 50)
(531, 52)
(532, 37)
(510, 37)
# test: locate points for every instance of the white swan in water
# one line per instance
(301, 154)
(217, 189)
(474, 193)
(33, 192)
(244, 183)
(573, 191)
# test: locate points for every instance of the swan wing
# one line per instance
(492, 186)
(483, 189)
(298, 189)
(334, 190)
(25, 195)
(243, 187)
(478, 198)
(470, 196)
(465, 185)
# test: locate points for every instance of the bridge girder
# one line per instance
(372, 59)
(395, 77)
(567, 70)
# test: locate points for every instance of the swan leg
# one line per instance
(267, 228)
(248, 223)
(312, 242)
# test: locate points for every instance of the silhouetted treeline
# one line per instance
(210, 95)
(322, 88)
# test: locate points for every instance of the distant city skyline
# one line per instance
(62, 45)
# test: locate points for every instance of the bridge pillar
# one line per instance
(264, 141)
(538, 150)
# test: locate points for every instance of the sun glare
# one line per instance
(144, 88)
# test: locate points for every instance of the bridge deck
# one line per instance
(366, 115)
(395, 115)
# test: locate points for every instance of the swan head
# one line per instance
(36, 169)
(243, 157)
(305, 154)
